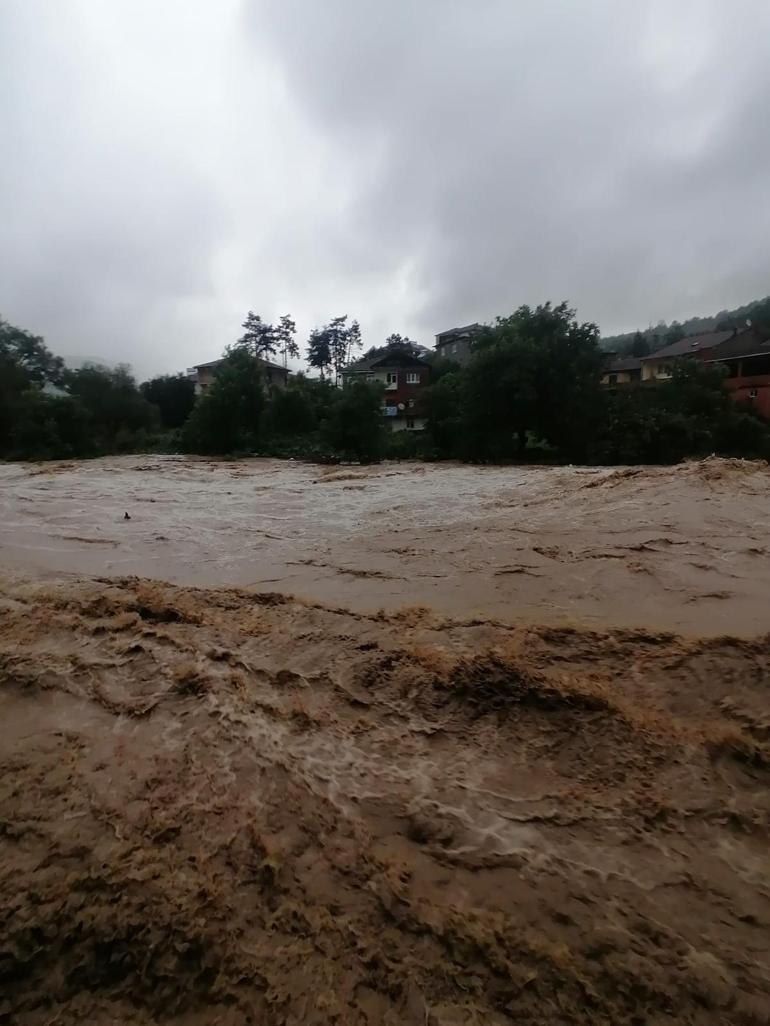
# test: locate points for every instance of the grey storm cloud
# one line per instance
(608, 152)
(169, 164)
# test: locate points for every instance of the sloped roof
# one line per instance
(263, 362)
(622, 363)
(391, 356)
(450, 333)
(692, 344)
(746, 343)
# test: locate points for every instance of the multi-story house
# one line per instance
(202, 374)
(621, 370)
(658, 366)
(746, 356)
(457, 343)
(404, 377)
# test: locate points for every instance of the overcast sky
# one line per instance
(169, 164)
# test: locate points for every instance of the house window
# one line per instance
(410, 404)
(413, 377)
(391, 378)
(753, 393)
(612, 378)
(410, 422)
(454, 350)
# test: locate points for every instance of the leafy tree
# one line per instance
(400, 340)
(759, 317)
(674, 334)
(173, 394)
(259, 338)
(535, 372)
(640, 346)
(440, 366)
(48, 427)
(27, 358)
(293, 410)
(354, 426)
(499, 401)
(445, 422)
(226, 417)
(320, 394)
(114, 404)
(319, 354)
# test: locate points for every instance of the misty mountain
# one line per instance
(77, 362)
(661, 334)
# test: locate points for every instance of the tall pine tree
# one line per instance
(340, 339)
(284, 333)
(259, 338)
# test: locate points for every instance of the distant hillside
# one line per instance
(758, 312)
(76, 362)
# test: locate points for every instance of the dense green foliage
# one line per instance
(354, 427)
(530, 391)
(533, 373)
(173, 394)
(25, 360)
(692, 415)
(226, 418)
(532, 386)
(47, 411)
(118, 413)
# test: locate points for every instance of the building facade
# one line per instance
(658, 366)
(457, 343)
(746, 358)
(404, 377)
(203, 374)
(744, 355)
(621, 370)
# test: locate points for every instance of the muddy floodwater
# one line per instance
(386, 746)
(683, 548)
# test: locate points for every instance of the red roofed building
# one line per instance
(747, 359)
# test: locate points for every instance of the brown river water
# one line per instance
(391, 745)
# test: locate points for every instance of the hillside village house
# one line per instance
(457, 343)
(202, 374)
(404, 376)
(700, 347)
(621, 370)
(747, 358)
(745, 354)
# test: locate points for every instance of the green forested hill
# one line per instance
(650, 339)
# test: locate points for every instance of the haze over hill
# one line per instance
(757, 312)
